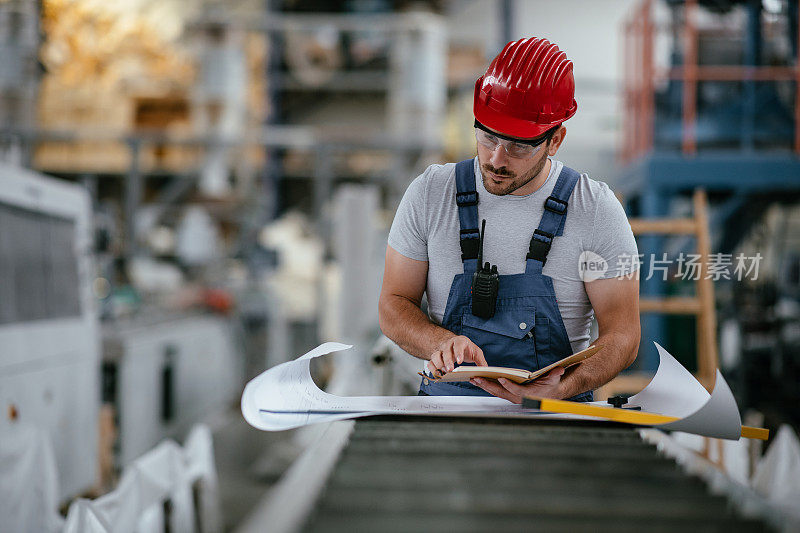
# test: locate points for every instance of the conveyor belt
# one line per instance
(449, 474)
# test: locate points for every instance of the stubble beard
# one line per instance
(514, 183)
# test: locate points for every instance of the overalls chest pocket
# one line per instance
(506, 339)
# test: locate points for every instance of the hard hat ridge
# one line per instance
(527, 89)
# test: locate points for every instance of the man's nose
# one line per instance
(498, 157)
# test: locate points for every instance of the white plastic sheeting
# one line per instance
(28, 480)
(167, 472)
(777, 475)
(733, 456)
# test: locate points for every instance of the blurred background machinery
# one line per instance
(192, 359)
(711, 92)
(20, 74)
(221, 178)
(233, 164)
(48, 320)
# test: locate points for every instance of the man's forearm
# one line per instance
(404, 322)
(619, 351)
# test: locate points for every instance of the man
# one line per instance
(530, 303)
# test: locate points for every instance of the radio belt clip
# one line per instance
(485, 284)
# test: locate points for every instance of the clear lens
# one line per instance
(513, 149)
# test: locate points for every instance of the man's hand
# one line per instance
(545, 386)
(454, 351)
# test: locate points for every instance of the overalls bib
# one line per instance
(526, 330)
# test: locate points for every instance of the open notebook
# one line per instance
(464, 373)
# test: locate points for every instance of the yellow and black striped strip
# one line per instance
(627, 416)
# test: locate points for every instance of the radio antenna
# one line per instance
(480, 250)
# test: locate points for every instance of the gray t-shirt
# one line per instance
(426, 228)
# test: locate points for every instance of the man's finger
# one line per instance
(476, 355)
(448, 359)
(490, 386)
(436, 362)
(496, 390)
(513, 388)
(554, 376)
(458, 351)
(432, 370)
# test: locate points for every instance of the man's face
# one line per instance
(503, 174)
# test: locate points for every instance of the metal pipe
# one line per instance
(624, 154)
(689, 144)
(506, 22)
(797, 90)
(648, 96)
(733, 73)
(752, 58)
(639, 59)
(133, 197)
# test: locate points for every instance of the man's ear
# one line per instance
(556, 140)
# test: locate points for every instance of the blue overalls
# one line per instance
(526, 330)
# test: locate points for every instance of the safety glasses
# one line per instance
(514, 148)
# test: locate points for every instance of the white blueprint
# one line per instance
(286, 397)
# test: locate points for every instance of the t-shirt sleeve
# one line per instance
(409, 232)
(612, 238)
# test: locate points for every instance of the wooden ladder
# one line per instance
(701, 305)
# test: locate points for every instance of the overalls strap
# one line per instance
(467, 201)
(552, 223)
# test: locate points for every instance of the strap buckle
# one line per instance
(555, 205)
(539, 248)
(470, 243)
(548, 236)
(467, 199)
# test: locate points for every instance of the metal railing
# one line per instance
(642, 76)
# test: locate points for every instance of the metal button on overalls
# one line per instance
(526, 303)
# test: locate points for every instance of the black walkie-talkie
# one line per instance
(485, 284)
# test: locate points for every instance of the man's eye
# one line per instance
(517, 147)
(492, 139)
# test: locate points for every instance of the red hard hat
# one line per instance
(528, 89)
